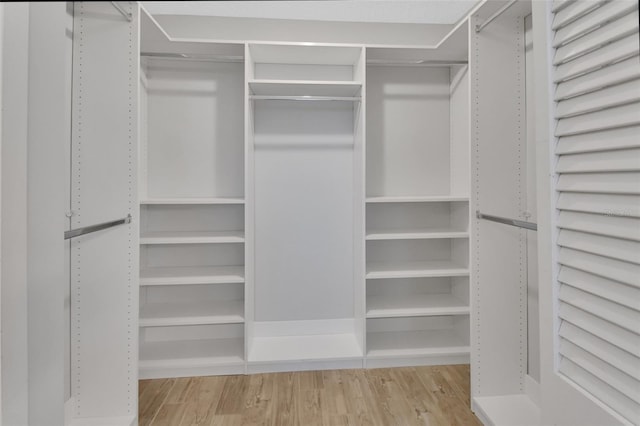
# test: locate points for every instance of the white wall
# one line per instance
(14, 215)
(31, 220)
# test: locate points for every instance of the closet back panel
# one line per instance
(304, 246)
(192, 255)
(195, 129)
(399, 216)
(303, 72)
(192, 218)
(408, 146)
(418, 250)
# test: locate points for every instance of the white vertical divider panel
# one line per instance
(104, 187)
(359, 200)
(48, 121)
(498, 280)
(249, 207)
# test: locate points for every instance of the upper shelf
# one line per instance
(296, 54)
(304, 88)
(416, 199)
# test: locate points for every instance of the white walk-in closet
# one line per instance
(262, 194)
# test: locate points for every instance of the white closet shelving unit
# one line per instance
(330, 229)
(417, 205)
(305, 138)
(192, 209)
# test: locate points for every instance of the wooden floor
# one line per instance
(386, 397)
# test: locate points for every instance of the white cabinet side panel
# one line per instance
(104, 188)
(533, 332)
(499, 252)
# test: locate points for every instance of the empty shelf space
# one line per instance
(416, 199)
(304, 88)
(308, 347)
(192, 313)
(223, 200)
(414, 234)
(434, 268)
(412, 305)
(185, 275)
(415, 343)
(195, 237)
(192, 353)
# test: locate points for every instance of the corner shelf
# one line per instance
(414, 234)
(416, 199)
(187, 275)
(423, 269)
(167, 237)
(192, 313)
(415, 305)
(304, 88)
(194, 200)
(415, 344)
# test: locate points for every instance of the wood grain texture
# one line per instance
(420, 396)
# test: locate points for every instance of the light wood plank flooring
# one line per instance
(434, 396)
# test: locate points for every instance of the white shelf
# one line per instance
(191, 353)
(186, 275)
(514, 409)
(416, 199)
(195, 200)
(435, 268)
(414, 234)
(304, 88)
(415, 343)
(193, 313)
(192, 237)
(308, 347)
(414, 305)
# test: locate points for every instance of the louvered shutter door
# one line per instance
(597, 76)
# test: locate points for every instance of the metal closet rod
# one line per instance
(304, 98)
(495, 15)
(507, 221)
(194, 57)
(128, 16)
(230, 58)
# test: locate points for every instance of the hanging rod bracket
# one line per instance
(128, 16)
(495, 15)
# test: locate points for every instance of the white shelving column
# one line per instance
(417, 208)
(305, 134)
(192, 210)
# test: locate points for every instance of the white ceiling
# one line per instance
(394, 11)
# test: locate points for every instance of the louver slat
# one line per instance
(597, 112)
